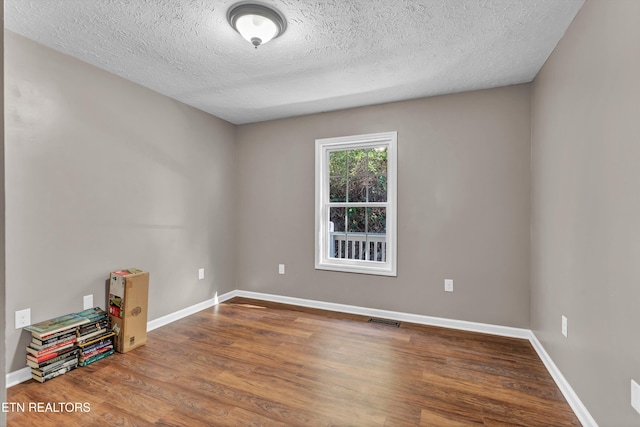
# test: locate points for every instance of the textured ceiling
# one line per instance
(335, 54)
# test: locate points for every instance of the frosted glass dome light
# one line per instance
(256, 23)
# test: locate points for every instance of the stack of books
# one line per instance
(52, 350)
(94, 338)
(62, 344)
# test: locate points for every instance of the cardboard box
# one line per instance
(128, 299)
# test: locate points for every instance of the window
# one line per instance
(356, 204)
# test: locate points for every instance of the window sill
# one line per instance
(384, 270)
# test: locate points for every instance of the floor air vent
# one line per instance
(385, 322)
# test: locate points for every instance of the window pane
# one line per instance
(356, 220)
(338, 163)
(378, 161)
(376, 248)
(357, 233)
(378, 188)
(337, 217)
(357, 162)
(338, 189)
(356, 246)
(338, 247)
(376, 234)
(376, 220)
(358, 188)
(337, 237)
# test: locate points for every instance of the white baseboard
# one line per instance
(574, 401)
(463, 325)
(19, 376)
(172, 317)
(180, 314)
(567, 391)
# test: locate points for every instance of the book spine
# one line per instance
(96, 358)
(55, 367)
(84, 343)
(53, 374)
(92, 336)
(51, 360)
(101, 343)
(95, 339)
(54, 339)
(94, 323)
(53, 348)
(92, 328)
(49, 335)
(52, 343)
(96, 352)
(52, 354)
(41, 358)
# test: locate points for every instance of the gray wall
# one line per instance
(463, 207)
(3, 368)
(103, 174)
(586, 207)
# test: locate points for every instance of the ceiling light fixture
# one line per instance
(257, 23)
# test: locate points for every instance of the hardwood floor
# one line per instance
(249, 362)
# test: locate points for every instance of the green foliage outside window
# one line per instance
(358, 176)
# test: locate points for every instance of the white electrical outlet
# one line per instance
(201, 274)
(87, 302)
(23, 318)
(635, 395)
(565, 326)
(280, 268)
(448, 285)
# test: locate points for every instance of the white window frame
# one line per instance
(322, 260)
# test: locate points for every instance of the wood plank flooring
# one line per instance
(247, 362)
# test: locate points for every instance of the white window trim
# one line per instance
(322, 260)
